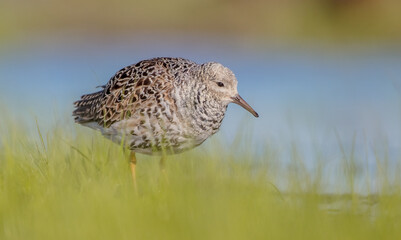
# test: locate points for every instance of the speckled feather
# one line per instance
(161, 103)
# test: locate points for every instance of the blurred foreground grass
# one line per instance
(66, 184)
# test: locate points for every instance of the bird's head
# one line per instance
(222, 83)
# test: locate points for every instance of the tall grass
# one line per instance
(69, 183)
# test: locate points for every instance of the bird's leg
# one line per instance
(132, 159)
(162, 163)
(163, 167)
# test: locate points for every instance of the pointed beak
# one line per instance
(238, 100)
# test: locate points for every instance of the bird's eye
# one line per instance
(220, 84)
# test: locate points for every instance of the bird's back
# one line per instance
(129, 89)
(137, 102)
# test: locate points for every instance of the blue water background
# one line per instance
(315, 98)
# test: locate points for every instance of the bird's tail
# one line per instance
(87, 107)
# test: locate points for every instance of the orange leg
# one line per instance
(133, 169)
(163, 168)
(162, 163)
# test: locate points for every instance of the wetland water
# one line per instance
(308, 97)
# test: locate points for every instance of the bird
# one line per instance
(161, 106)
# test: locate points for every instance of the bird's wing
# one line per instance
(132, 90)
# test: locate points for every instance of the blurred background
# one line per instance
(324, 75)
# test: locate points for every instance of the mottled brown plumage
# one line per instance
(161, 103)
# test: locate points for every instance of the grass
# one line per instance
(73, 184)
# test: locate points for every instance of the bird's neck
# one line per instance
(201, 110)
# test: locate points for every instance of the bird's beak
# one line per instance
(238, 100)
